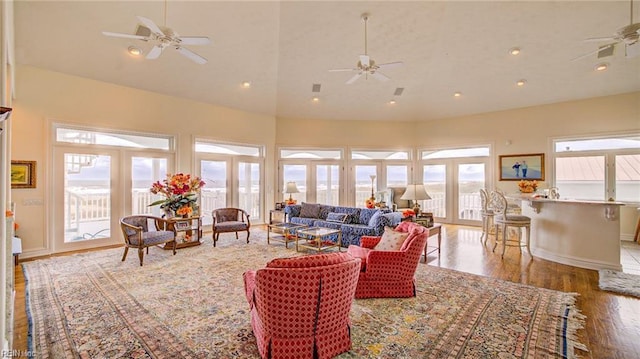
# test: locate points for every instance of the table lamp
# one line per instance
(291, 188)
(415, 192)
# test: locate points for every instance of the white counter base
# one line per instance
(575, 233)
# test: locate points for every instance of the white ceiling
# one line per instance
(285, 47)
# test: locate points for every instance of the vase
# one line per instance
(168, 213)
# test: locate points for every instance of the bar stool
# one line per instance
(487, 215)
(505, 220)
(636, 237)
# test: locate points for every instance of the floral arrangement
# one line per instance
(527, 186)
(180, 191)
(408, 213)
(370, 202)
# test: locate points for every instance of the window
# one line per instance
(317, 174)
(598, 168)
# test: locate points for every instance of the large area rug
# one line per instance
(619, 282)
(192, 305)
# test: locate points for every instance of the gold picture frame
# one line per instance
(522, 167)
(23, 174)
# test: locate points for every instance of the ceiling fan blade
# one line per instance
(126, 36)
(632, 50)
(389, 65)
(354, 78)
(154, 53)
(192, 55)
(593, 52)
(151, 25)
(379, 76)
(342, 70)
(194, 40)
(597, 39)
(365, 60)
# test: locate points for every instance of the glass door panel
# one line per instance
(328, 184)
(144, 172)
(435, 182)
(87, 197)
(363, 183)
(397, 175)
(470, 179)
(297, 174)
(249, 188)
(214, 193)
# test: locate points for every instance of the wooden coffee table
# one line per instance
(314, 238)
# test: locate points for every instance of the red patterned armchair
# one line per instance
(389, 274)
(300, 306)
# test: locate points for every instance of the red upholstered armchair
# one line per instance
(389, 274)
(300, 306)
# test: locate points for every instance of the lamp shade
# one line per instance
(291, 188)
(415, 192)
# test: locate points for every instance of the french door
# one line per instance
(372, 176)
(454, 187)
(231, 182)
(317, 181)
(94, 188)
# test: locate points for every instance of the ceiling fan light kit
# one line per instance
(366, 65)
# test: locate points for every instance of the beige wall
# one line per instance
(45, 96)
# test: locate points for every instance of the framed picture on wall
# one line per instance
(23, 174)
(522, 167)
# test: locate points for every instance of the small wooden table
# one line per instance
(188, 232)
(435, 229)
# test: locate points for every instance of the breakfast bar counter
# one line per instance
(583, 234)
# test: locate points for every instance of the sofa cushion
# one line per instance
(324, 211)
(372, 221)
(337, 217)
(306, 221)
(326, 224)
(310, 210)
(354, 214)
(391, 240)
(366, 214)
(314, 260)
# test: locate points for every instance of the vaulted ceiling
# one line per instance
(284, 47)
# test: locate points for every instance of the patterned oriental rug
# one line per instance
(192, 305)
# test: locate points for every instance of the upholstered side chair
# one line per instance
(300, 306)
(144, 231)
(227, 220)
(389, 273)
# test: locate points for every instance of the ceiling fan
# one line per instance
(628, 35)
(163, 37)
(366, 66)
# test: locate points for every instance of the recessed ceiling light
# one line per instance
(601, 67)
(514, 51)
(392, 102)
(521, 83)
(135, 51)
(315, 99)
(246, 84)
(457, 94)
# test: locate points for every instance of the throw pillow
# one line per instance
(310, 210)
(374, 218)
(337, 217)
(391, 240)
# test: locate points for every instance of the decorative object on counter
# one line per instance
(553, 193)
(415, 192)
(181, 194)
(290, 189)
(518, 167)
(527, 186)
(408, 214)
(371, 201)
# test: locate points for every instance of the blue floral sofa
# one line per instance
(353, 222)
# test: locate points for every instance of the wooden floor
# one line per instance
(613, 321)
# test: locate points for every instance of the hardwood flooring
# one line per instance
(612, 327)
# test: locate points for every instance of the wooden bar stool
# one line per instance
(636, 237)
(504, 220)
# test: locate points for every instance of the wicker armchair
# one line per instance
(135, 230)
(230, 220)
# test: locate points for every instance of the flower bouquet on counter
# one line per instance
(526, 186)
(408, 214)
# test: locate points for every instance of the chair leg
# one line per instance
(236, 235)
(124, 256)
(147, 250)
(215, 238)
(528, 241)
(484, 230)
(496, 242)
(248, 233)
(141, 254)
(175, 244)
(504, 239)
